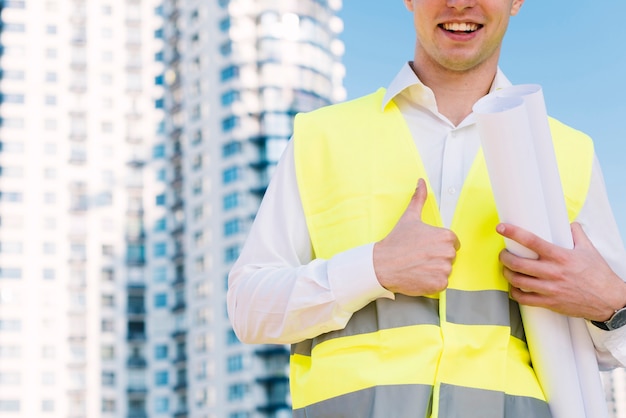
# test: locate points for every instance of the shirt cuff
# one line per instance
(613, 342)
(352, 278)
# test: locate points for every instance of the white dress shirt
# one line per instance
(279, 294)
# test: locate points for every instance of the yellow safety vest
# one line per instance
(461, 353)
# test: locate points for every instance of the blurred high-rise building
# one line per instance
(77, 121)
(136, 140)
(234, 75)
(615, 389)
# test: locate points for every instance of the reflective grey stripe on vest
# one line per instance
(381, 314)
(484, 307)
(401, 401)
(487, 307)
(408, 401)
(458, 401)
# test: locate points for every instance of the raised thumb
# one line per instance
(416, 205)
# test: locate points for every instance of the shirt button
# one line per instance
(453, 134)
(451, 190)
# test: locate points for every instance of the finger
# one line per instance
(419, 198)
(526, 239)
(525, 297)
(523, 282)
(578, 235)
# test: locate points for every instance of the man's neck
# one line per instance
(456, 92)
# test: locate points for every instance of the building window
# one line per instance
(234, 363)
(9, 378)
(158, 151)
(225, 24)
(161, 378)
(9, 405)
(231, 338)
(160, 199)
(159, 274)
(10, 273)
(232, 227)
(13, 4)
(107, 325)
(161, 405)
(230, 201)
(230, 175)
(230, 123)
(198, 238)
(196, 164)
(48, 352)
(48, 379)
(47, 405)
(231, 254)
(12, 123)
(13, 27)
(160, 300)
(10, 247)
(108, 379)
(230, 97)
(196, 187)
(199, 264)
(11, 196)
(12, 98)
(10, 325)
(108, 405)
(160, 225)
(237, 391)
(197, 138)
(226, 48)
(49, 274)
(11, 171)
(10, 351)
(160, 352)
(229, 73)
(160, 249)
(49, 248)
(239, 414)
(198, 212)
(108, 301)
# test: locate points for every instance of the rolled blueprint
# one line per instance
(519, 154)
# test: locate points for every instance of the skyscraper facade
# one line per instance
(136, 140)
(234, 74)
(77, 121)
(615, 389)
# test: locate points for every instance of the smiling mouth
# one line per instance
(464, 27)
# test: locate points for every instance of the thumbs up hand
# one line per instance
(415, 259)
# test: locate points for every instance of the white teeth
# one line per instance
(460, 27)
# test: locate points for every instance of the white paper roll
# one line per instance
(521, 163)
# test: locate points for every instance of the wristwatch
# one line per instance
(618, 320)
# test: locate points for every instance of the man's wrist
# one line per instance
(617, 317)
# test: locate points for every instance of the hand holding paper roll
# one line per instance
(572, 282)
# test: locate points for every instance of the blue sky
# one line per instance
(575, 49)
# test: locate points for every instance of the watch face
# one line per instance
(618, 320)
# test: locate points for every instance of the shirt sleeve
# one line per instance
(598, 222)
(278, 294)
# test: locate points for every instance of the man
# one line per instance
(395, 298)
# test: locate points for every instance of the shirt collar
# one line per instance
(422, 94)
